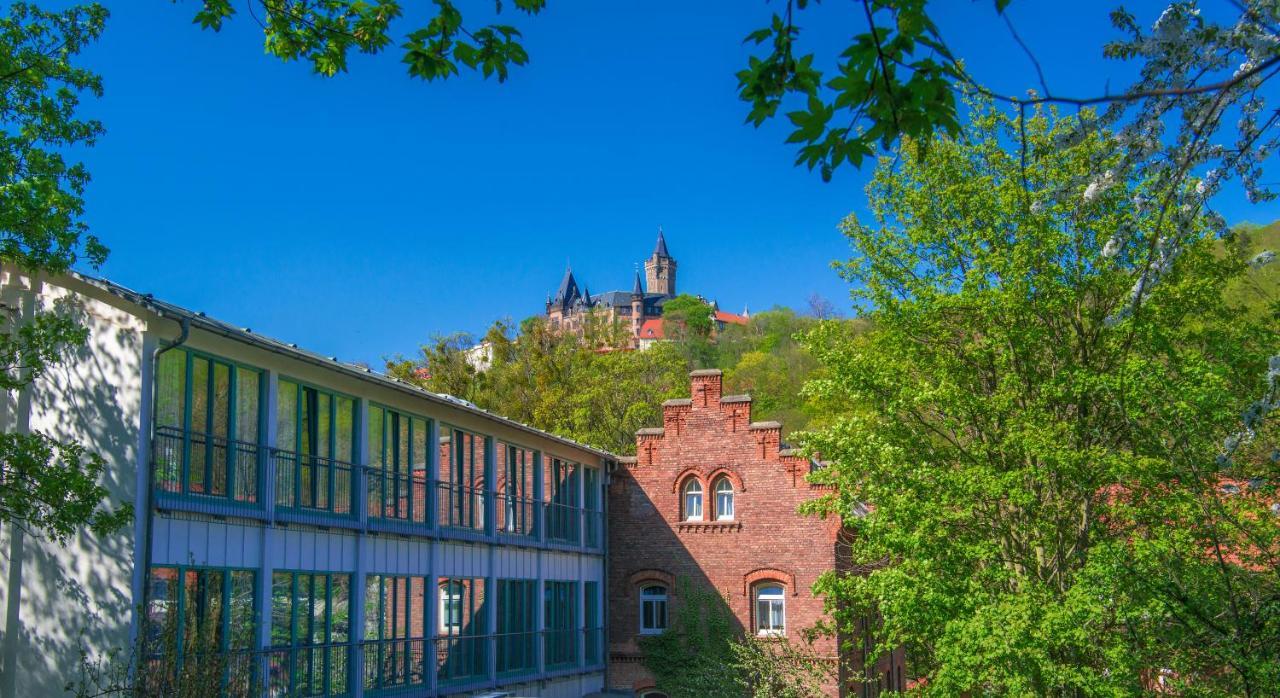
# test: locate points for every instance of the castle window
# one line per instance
(653, 610)
(724, 499)
(771, 611)
(693, 500)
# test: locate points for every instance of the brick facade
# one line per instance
(705, 438)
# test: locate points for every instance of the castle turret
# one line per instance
(660, 269)
(637, 310)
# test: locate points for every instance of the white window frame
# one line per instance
(649, 596)
(776, 594)
(450, 593)
(692, 490)
(724, 488)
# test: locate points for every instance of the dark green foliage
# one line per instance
(46, 487)
(695, 656)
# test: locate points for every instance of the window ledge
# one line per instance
(709, 526)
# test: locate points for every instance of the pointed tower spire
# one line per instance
(660, 250)
(637, 289)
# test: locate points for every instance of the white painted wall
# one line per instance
(79, 594)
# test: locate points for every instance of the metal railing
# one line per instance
(397, 496)
(218, 476)
(394, 664)
(194, 465)
(562, 522)
(309, 670)
(462, 658)
(461, 506)
(313, 484)
(515, 515)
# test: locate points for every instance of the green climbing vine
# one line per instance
(695, 656)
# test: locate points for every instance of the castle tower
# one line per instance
(660, 269)
(637, 310)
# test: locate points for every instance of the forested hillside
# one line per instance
(569, 386)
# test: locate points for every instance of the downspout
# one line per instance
(604, 549)
(149, 526)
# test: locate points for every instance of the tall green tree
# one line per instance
(46, 486)
(1052, 511)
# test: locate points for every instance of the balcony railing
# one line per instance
(394, 665)
(562, 522)
(397, 496)
(215, 475)
(201, 466)
(312, 484)
(313, 670)
(461, 506)
(514, 516)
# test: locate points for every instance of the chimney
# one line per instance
(705, 387)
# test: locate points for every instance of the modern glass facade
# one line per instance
(370, 547)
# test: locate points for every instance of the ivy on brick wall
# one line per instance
(695, 656)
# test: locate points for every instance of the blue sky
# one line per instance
(360, 215)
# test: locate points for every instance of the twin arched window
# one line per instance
(693, 500)
(724, 499)
(723, 489)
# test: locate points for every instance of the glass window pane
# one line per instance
(375, 436)
(246, 405)
(287, 416)
(323, 426)
(344, 427)
(221, 406)
(281, 606)
(171, 389)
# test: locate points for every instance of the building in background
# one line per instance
(713, 497)
(639, 310)
(325, 529)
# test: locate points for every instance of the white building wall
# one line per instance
(58, 598)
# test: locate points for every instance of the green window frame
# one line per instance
(208, 427)
(398, 461)
(562, 506)
(593, 630)
(594, 518)
(462, 490)
(316, 442)
(310, 634)
(206, 615)
(395, 645)
(462, 639)
(559, 617)
(517, 631)
(516, 469)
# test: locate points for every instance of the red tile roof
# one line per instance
(651, 329)
(731, 318)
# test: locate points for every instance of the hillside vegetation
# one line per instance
(570, 386)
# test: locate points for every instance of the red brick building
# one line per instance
(712, 497)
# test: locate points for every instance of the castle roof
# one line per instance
(568, 291)
(637, 290)
(660, 250)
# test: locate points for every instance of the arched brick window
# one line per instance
(691, 500)
(723, 489)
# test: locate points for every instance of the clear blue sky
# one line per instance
(358, 216)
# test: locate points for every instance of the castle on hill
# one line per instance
(639, 310)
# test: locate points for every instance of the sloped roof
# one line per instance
(568, 291)
(731, 318)
(652, 329)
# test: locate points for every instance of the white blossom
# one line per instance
(1098, 186)
(1244, 68)
(1037, 207)
(1112, 248)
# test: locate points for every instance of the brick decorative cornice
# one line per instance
(709, 526)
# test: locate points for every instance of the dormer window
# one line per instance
(693, 500)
